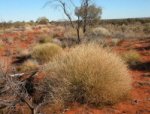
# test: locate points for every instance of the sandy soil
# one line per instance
(139, 103)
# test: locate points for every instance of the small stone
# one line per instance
(135, 102)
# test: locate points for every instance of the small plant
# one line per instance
(1, 46)
(131, 57)
(45, 52)
(91, 75)
(71, 33)
(98, 32)
(9, 40)
(42, 20)
(29, 65)
(147, 29)
(45, 39)
(114, 42)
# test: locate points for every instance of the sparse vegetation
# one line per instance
(68, 64)
(98, 32)
(42, 20)
(92, 75)
(28, 66)
(45, 52)
(71, 33)
(147, 29)
(89, 13)
(45, 39)
(131, 57)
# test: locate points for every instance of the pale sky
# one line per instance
(25, 10)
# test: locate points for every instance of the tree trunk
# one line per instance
(78, 36)
(32, 111)
(84, 27)
(86, 4)
(78, 30)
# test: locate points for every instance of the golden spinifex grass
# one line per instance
(45, 38)
(91, 75)
(45, 52)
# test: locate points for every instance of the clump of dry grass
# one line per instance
(91, 75)
(98, 32)
(72, 33)
(131, 57)
(29, 65)
(45, 39)
(45, 52)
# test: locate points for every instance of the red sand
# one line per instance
(140, 94)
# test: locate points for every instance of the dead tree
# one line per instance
(14, 90)
(85, 4)
(75, 25)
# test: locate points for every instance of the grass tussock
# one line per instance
(89, 74)
(45, 39)
(29, 65)
(45, 52)
(131, 57)
(72, 33)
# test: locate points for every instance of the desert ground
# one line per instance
(16, 43)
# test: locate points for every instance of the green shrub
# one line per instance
(131, 57)
(42, 20)
(91, 75)
(45, 52)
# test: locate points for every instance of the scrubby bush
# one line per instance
(29, 65)
(91, 75)
(131, 57)
(93, 14)
(114, 42)
(45, 39)
(147, 29)
(98, 32)
(72, 33)
(42, 20)
(57, 89)
(45, 52)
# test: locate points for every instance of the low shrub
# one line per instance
(90, 74)
(72, 33)
(146, 29)
(131, 57)
(45, 39)
(98, 32)
(114, 42)
(29, 65)
(45, 52)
